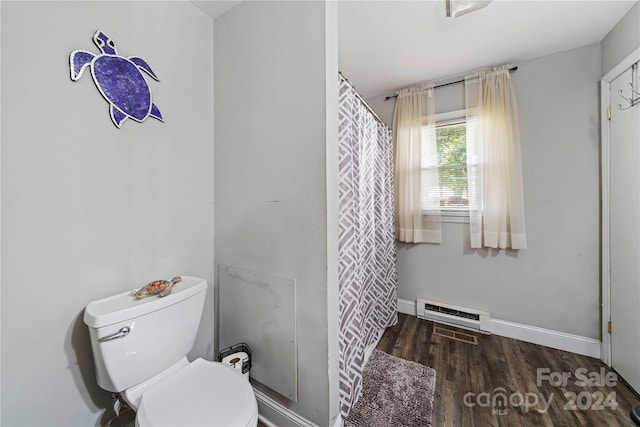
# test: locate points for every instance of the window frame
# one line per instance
(448, 119)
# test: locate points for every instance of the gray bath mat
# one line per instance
(395, 393)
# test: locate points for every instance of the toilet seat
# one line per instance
(201, 394)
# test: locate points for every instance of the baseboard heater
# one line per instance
(448, 314)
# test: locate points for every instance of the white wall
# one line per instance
(89, 210)
(553, 284)
(623, 39)
(270, 169)
(331, 113)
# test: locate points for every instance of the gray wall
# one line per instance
(270, 171)
(449, 98)
(554, 283)
(89, 210)
(623, 39)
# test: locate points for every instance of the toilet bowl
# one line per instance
(140, 348)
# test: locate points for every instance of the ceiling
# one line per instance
(387, 45)
(215, 8)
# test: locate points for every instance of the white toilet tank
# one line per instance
(147, 335)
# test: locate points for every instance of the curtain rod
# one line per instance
(512, 69)
(362, 100)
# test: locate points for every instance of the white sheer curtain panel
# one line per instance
(417, 189)
(494, 165)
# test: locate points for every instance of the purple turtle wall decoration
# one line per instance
(118, 79)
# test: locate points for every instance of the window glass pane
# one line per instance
(451, 193)
(451, 144)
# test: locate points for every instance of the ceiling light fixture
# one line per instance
(456, 8)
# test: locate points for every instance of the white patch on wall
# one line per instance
(260, 310)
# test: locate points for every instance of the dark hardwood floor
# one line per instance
(505, 382)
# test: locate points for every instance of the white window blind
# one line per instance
(452, 193)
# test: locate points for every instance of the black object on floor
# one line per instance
(635, 414)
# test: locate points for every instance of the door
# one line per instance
(624, 230)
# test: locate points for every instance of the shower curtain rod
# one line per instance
(362, 99)
(512, 69)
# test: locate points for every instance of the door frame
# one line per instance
(605, 101)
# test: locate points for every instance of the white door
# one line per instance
(624, 229)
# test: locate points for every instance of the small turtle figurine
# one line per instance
(118, 79)
(162, 288)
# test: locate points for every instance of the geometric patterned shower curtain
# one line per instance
(367, 271)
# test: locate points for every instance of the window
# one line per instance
(451, 146)
(451, 143)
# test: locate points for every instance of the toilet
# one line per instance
(140, 351)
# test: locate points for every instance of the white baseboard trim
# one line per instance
(407, 307)
(273, 413)
(337, 421)
(368, 350)
(265, 421)
(547, 337)
(533, 334)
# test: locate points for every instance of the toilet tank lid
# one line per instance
(125, 306)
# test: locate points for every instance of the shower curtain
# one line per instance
(367, 270)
